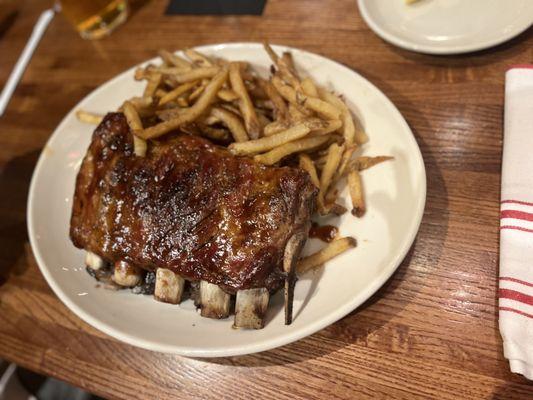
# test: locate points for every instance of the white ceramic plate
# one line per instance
(395, 193)
(447, 26)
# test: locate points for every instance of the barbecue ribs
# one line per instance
(192, 212)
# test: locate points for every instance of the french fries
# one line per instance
(270, 142)
(278, 153)
(89, 117)
(356, 193)
(245, 103)
(286, 117)
(331, 250)
(232, 122)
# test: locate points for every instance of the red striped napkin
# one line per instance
(516, 222)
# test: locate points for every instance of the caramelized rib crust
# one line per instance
(188, 206)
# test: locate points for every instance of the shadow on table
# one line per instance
(504, 51)
(15, 178)
(356, 327)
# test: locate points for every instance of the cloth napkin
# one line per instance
(516, 222)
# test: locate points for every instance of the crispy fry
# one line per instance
(177, 92)
(285, 70)
(198, 58)
(365, 162)
(356, 193)
(331, 126)
(270, 142)
(233, 123)
(307, 165)
(190, 114)
(280, 107)
(227, 95)
(332, 250)
(172, 70)
(276, 154)
(309, 88)
(275, 127)
(298, 113)
(332, 162)
(245, 103)
(182, 102)
(319, 106)
(135, 124)
(173, 59)
(89, 117)
(198, 91)
(352, 131)
(153, 82)
(289, 62)
(195, 74)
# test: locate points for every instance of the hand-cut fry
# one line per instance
(198, 58)
(227, 95)
(190, 114)
(319, 106)
(233, 123)
(332, 162)
(307, 165)
(177, 92)
(365, 162)
(198, 91)
(309, 88)
(270, 142)
(263, 120)
(286, 58)
(280, 107)
(352, 131)
(135, 124)
(245, 104)
(195, 74)
(331, 126)
(173, 59)
(89, 117)
(298, 113)
(276, 154)
(171, 70)
(332, 250)
(275, 127)
(356, 193)
(153, 82)
(287, 73)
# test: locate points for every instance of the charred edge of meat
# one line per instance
(126, 274)
(250, 308)
(168, 286)
(214, 302)
(290, 258)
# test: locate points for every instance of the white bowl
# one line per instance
(395, 193)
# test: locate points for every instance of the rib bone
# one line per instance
(94, 261)
(126, 274)
(290, 257)
(214, 302)
(168, 286)
(250, 308)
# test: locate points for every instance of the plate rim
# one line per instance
(429, 49)
(250, 348)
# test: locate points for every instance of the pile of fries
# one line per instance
(278, 121)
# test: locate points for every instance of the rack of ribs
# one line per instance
(190, 216)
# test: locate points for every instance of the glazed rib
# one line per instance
(188, 206)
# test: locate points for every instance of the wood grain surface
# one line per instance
(430, 332)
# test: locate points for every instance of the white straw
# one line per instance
(20, 66)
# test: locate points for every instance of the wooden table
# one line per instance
(430, 332)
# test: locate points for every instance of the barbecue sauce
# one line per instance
(326, 233)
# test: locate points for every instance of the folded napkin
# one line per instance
(516, 222)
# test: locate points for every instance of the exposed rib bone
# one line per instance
(126, 274)
(250, 308)
(168, 286)
(290, 257)
(94, 261)
(214, 302)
